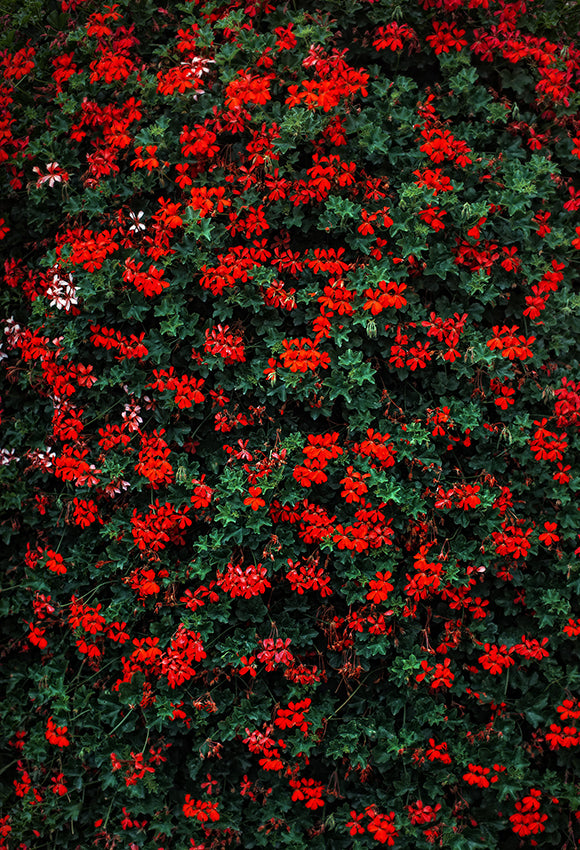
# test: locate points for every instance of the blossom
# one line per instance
(549, 536)
(496, 658)
(202, 810)
(438, 752)
(354, 825)
(254, 500)
(55, 562)
(147, 160)
(446, 36)
(58, 786)
(379, 588)
(477, 775)
(56, 735)
(382, 827)
(54, 174)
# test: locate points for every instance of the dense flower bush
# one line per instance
(290, 413)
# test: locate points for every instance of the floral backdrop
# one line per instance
(290, 404)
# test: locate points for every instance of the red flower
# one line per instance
(496, 658)
(477, 775)
(85, 512)
(549, 536)
(248, 88)
(254, 499)
(442, 675)
(572, 628)
(468, 496)
(248, 666)
(149, 161)
(446, 36)
(528, 820)
(354, 825)
(36, 636)
(438, 752)
(308, 790)
(433, 216)
(511, 263)
(382, 827)
(203, 810)
(56, 734)
(55, 562)
(379, 588)
(425, 670)
(419, 813)
(58, 786)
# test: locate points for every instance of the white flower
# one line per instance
(137, 225)
(7, 456)
(62, 292)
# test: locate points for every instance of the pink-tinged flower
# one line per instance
(55, 174)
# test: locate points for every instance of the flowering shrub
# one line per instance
(290, 424)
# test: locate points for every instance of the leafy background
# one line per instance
(290, 414)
